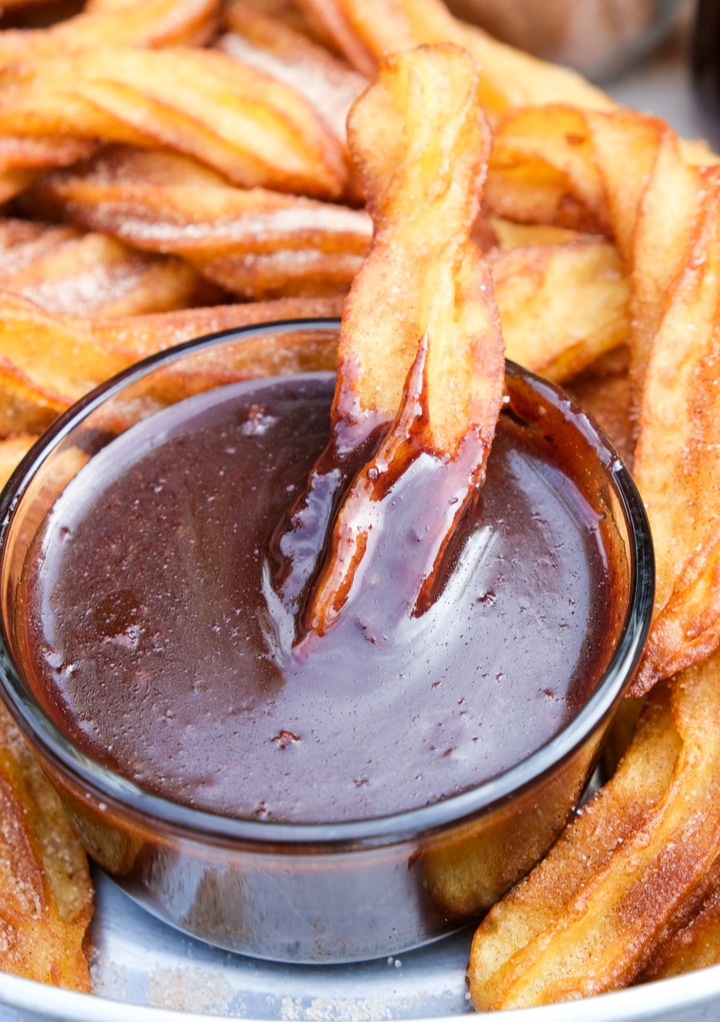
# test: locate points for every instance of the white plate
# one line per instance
(146, 972)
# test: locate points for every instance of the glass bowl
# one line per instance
(323, 892)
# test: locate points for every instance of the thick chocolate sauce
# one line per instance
(156, 638)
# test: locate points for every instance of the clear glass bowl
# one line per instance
(321, 892)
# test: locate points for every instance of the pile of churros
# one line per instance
(169, 168)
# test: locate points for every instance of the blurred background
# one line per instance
(598, 37)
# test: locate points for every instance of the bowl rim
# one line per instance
(105, 785)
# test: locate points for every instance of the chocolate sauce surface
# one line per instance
(156, 640)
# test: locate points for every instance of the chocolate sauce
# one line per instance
(156, 639)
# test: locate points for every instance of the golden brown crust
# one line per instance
(48, 361)
(622, 176)
(255, 243)
(64, 269)
(152, 23)
(246, 125)
(694, 946)
(628, 172)
(516, 933)
(650, 881)
(366, 29)
(420, 348)
(561, 306)
(675, 466)
(46, 900)
(272, 45)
